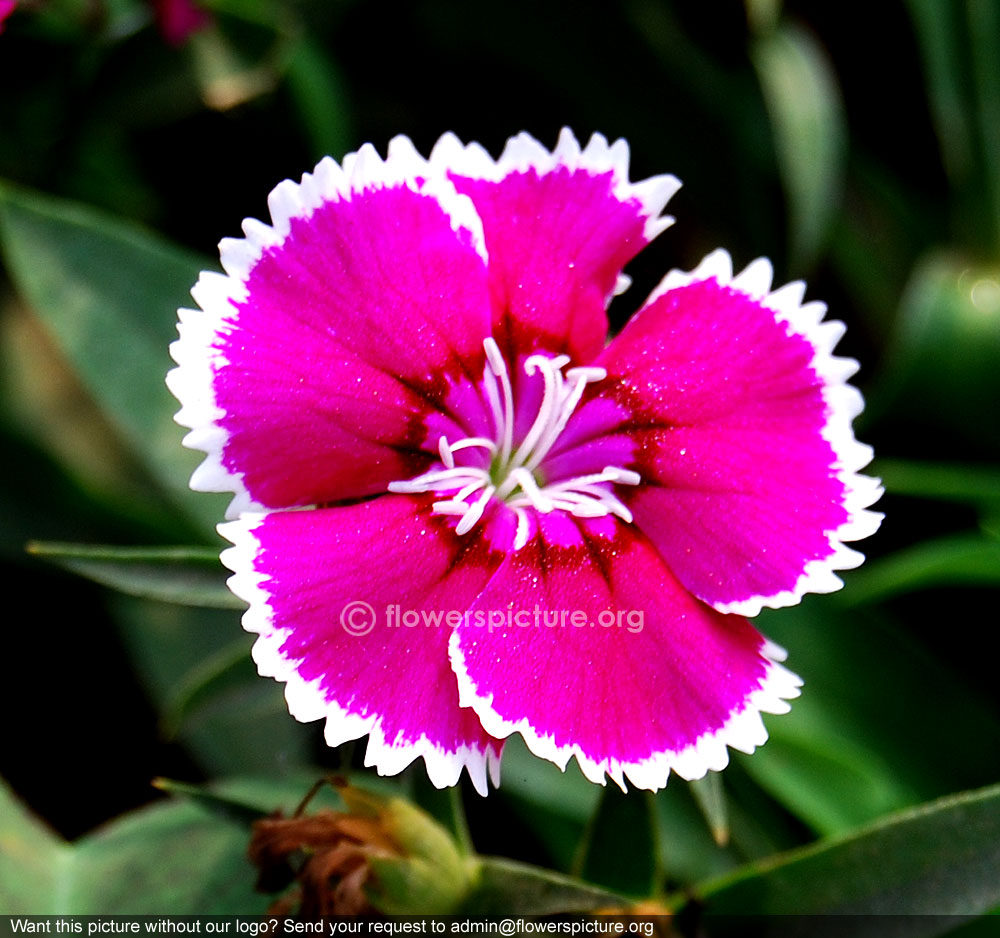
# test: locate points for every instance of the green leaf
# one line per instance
(854, 746)
(190, 576)
(763, 15)
(212, 676)
(318, 94)
(827, 778)
(504, 885)
(228, 75)
(938, 859)
(214, 802)
(937, 28)
(710, 797)
(956, 482)
(231, 719)
(196, 663)
(961, 560)
(170, 858)
(619, 850)
(555, 805)
(107, 292)
(984, 46)
(245, 798)
(31, 859)
(687, 852)
(806, 113)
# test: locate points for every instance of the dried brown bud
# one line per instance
(382, 847)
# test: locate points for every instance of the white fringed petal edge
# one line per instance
(843, 403)
(306, 700)
(219, 295)
(744, 730)
(523, 153)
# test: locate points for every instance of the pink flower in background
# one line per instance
(175, 19)
(178, 19)
(512, 526)
(6, 8)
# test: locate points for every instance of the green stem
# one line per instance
(459, 822)
(984, 35)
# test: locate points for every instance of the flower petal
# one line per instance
(329, 590)
(559, 228)
(308, 371)
(611, 660)
(742, 416)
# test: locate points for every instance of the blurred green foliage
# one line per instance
(858, 146)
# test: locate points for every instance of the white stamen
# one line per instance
(446, 455)
(439, 479)
(450, 507)
(510, 477)
(532, 492)
(475, 512)
(475, 441)
(582, 508)
(523, 529)
(505, 424)
(607, 474)
(549, 411)
(462, 494)
(621, 476)
(492, 390)
(589, 373)
(578, 378)
(494, 356)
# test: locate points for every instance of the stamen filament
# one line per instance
(529, 486)
(580, 381)
(447, 450)
(499, 368)
(475, 441)
(446, 453)
(522, 530)
(550, 400)
(434, 479)
(475, 512)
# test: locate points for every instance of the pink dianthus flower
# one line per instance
(511, 525)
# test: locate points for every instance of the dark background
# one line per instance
(98, 108)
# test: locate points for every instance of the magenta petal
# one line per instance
(612, 661)
(309, 371)
(559, 228)
(742, 421)
(330, 591)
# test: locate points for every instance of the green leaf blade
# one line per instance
(503, 885)
(188, 576)
(31, 860)
(806, 112)
(170, 858)
(940, 858)
(108, 291)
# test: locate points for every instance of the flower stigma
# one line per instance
(512, 473)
